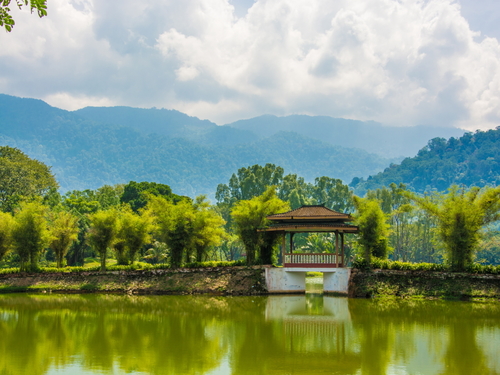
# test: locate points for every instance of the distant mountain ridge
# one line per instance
(87, 152)
(373, 137)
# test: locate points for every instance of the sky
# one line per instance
(397, 62)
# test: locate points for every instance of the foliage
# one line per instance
(134, 232)
(230, 248)
(471, 160)
(102, 232)
(250, 215)
(460, 215)
(373, 228)
(412, 229)
(64, 231)
(361, 264)
(30, 234)
(332, 193)
(319, 243)
(22, 177)
(136, 193)
(6, 20)
(175, 225)
(157, 253)
(208, 228)
(214, 264)
(6, 226)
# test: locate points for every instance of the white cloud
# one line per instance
(71, 102)
(401, 62)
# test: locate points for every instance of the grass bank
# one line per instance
(423, 284)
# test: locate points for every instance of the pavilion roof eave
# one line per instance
(311, 228)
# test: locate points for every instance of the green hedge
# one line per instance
(132, 267)
(386, 264)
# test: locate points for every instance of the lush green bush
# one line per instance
(132, 267)
(8, 271)
(384, 264)
(209, 264)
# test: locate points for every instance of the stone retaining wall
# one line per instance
(220, 280)
(423, 283)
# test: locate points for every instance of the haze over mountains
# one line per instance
(94, 146)
(386, 141)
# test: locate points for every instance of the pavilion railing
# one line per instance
(313, 260)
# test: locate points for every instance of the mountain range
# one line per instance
(94, 146)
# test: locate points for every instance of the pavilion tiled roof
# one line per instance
(311, 227)
(311, 212)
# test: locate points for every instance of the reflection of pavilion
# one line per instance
(315, 319)
(308, 308)
(314, 333)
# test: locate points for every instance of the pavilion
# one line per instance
(311, 219)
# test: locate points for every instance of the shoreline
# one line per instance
(244, 280)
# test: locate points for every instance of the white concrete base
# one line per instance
(293, 280)
(280, 281)
(336, 282)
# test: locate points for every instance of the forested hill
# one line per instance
(473, 159)
(85, 153)
(370, 136)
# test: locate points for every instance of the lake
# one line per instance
(306, 334)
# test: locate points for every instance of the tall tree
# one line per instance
(373, 228)
(63, 232)
(22, 177)
(136, 193)
(208, 228)
(332, 193)
(135, 231)
(250, 215)
(6, 20)
(102, 232)
(460, 215)
(6, 226)
(175, 225)
(30, 234)
(250, 182)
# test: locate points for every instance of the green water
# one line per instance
(311, 334)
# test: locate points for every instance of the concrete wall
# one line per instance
(293, 280)
(337, 281)
(280, 281)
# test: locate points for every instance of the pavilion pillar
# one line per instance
(337, 247)
(283, 248)
(291, 242)
(342, 248)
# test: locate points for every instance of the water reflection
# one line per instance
(307, 334)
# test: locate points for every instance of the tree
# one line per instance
(250, 182)
(102, 232)
(64, 231)
(250, 215)
(460, 215)
(136, 193)
(175, 225)
(6, 20)
(332, 193)
(373, 228)
(30, 234)
(6, 226)
(208, 228)
(135, 232)
(22, 177)
(158, 253)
